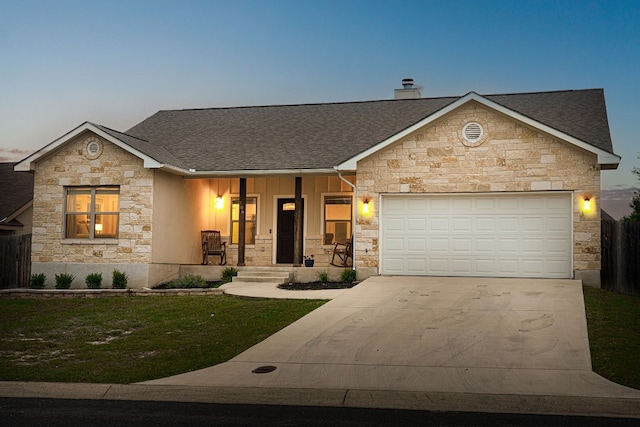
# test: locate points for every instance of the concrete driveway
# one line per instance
(429, 334)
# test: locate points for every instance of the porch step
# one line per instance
(263, 275)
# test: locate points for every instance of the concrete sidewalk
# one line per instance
(442, 344)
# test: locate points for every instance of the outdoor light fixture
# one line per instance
(586, 204)
(219, 202)
(365, 206)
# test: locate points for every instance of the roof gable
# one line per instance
(575, 117)
(123, 141)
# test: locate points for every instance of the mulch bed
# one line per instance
(316, 286)
(210, 284)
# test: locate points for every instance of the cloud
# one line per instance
(13, 154)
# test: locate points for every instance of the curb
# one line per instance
(382, 399)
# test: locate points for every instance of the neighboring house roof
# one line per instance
(324, 137)
(16, 196)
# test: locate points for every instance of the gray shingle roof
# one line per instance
(320, 136)
(17, 189)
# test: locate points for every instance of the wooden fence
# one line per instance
(620, 270)
(15, 261)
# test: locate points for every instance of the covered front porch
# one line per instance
(262, 220)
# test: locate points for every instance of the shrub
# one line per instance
(348, 275)
(323, 276)
(228, 273)
(119, 280)
(187, 282)
(93, 280)
(37, 281)
(63, 280)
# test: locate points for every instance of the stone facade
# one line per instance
(511, 157)
(73, 165)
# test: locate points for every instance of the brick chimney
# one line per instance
(408, 91)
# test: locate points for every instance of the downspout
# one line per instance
(354, 207)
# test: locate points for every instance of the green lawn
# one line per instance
(614, 335)
(125, 340)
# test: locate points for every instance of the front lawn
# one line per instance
(614, 335)
(126, 340)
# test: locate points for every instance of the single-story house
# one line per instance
(16, 200)
(501, 185)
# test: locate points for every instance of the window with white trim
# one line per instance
(337, 219)
(92, 212)
(251, 210)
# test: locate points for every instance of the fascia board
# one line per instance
(18, 211)
(26, 165)
(258, 172)
(604, 157)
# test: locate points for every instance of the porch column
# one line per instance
(297, 221)
(243, 221)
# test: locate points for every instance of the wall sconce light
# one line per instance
(98, 228)
(219, 202)
(586, 204)
(365, 206)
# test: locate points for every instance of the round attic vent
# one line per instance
(473, 132)
(92, 148)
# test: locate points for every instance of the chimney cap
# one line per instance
(407, 83)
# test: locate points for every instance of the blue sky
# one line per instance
(117, 62)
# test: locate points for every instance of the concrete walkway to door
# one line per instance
(429, 334)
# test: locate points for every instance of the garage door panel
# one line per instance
(438, 224)
(532, 224)
(509, 224)
(485, 266)
(438, 244)
(416, 245)
(533, 246)
(417, 225)
(508, 246)
(508, 235)
(416, 266)
(394, 224)
(461, 225)
(438, 266)
(461, 266)
(485, 225)
(394, 245)
(484, 245)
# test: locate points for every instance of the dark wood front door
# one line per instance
(286, 224)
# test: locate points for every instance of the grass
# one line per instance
(614, 335)
(126, 340)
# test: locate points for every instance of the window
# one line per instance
(92, 212)
(251, 220)
(337, 219)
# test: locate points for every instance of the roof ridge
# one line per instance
(240, 107)
(119, 132)
(541, 92)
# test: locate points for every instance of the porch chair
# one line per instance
(343, 252)
(212, 244)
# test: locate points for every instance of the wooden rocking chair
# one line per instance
(343, 252)
(212, 244)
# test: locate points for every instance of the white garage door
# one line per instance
(508, 235)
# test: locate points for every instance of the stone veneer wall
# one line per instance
(511, 158)
(72, 165)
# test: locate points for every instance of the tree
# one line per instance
(635, 202)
